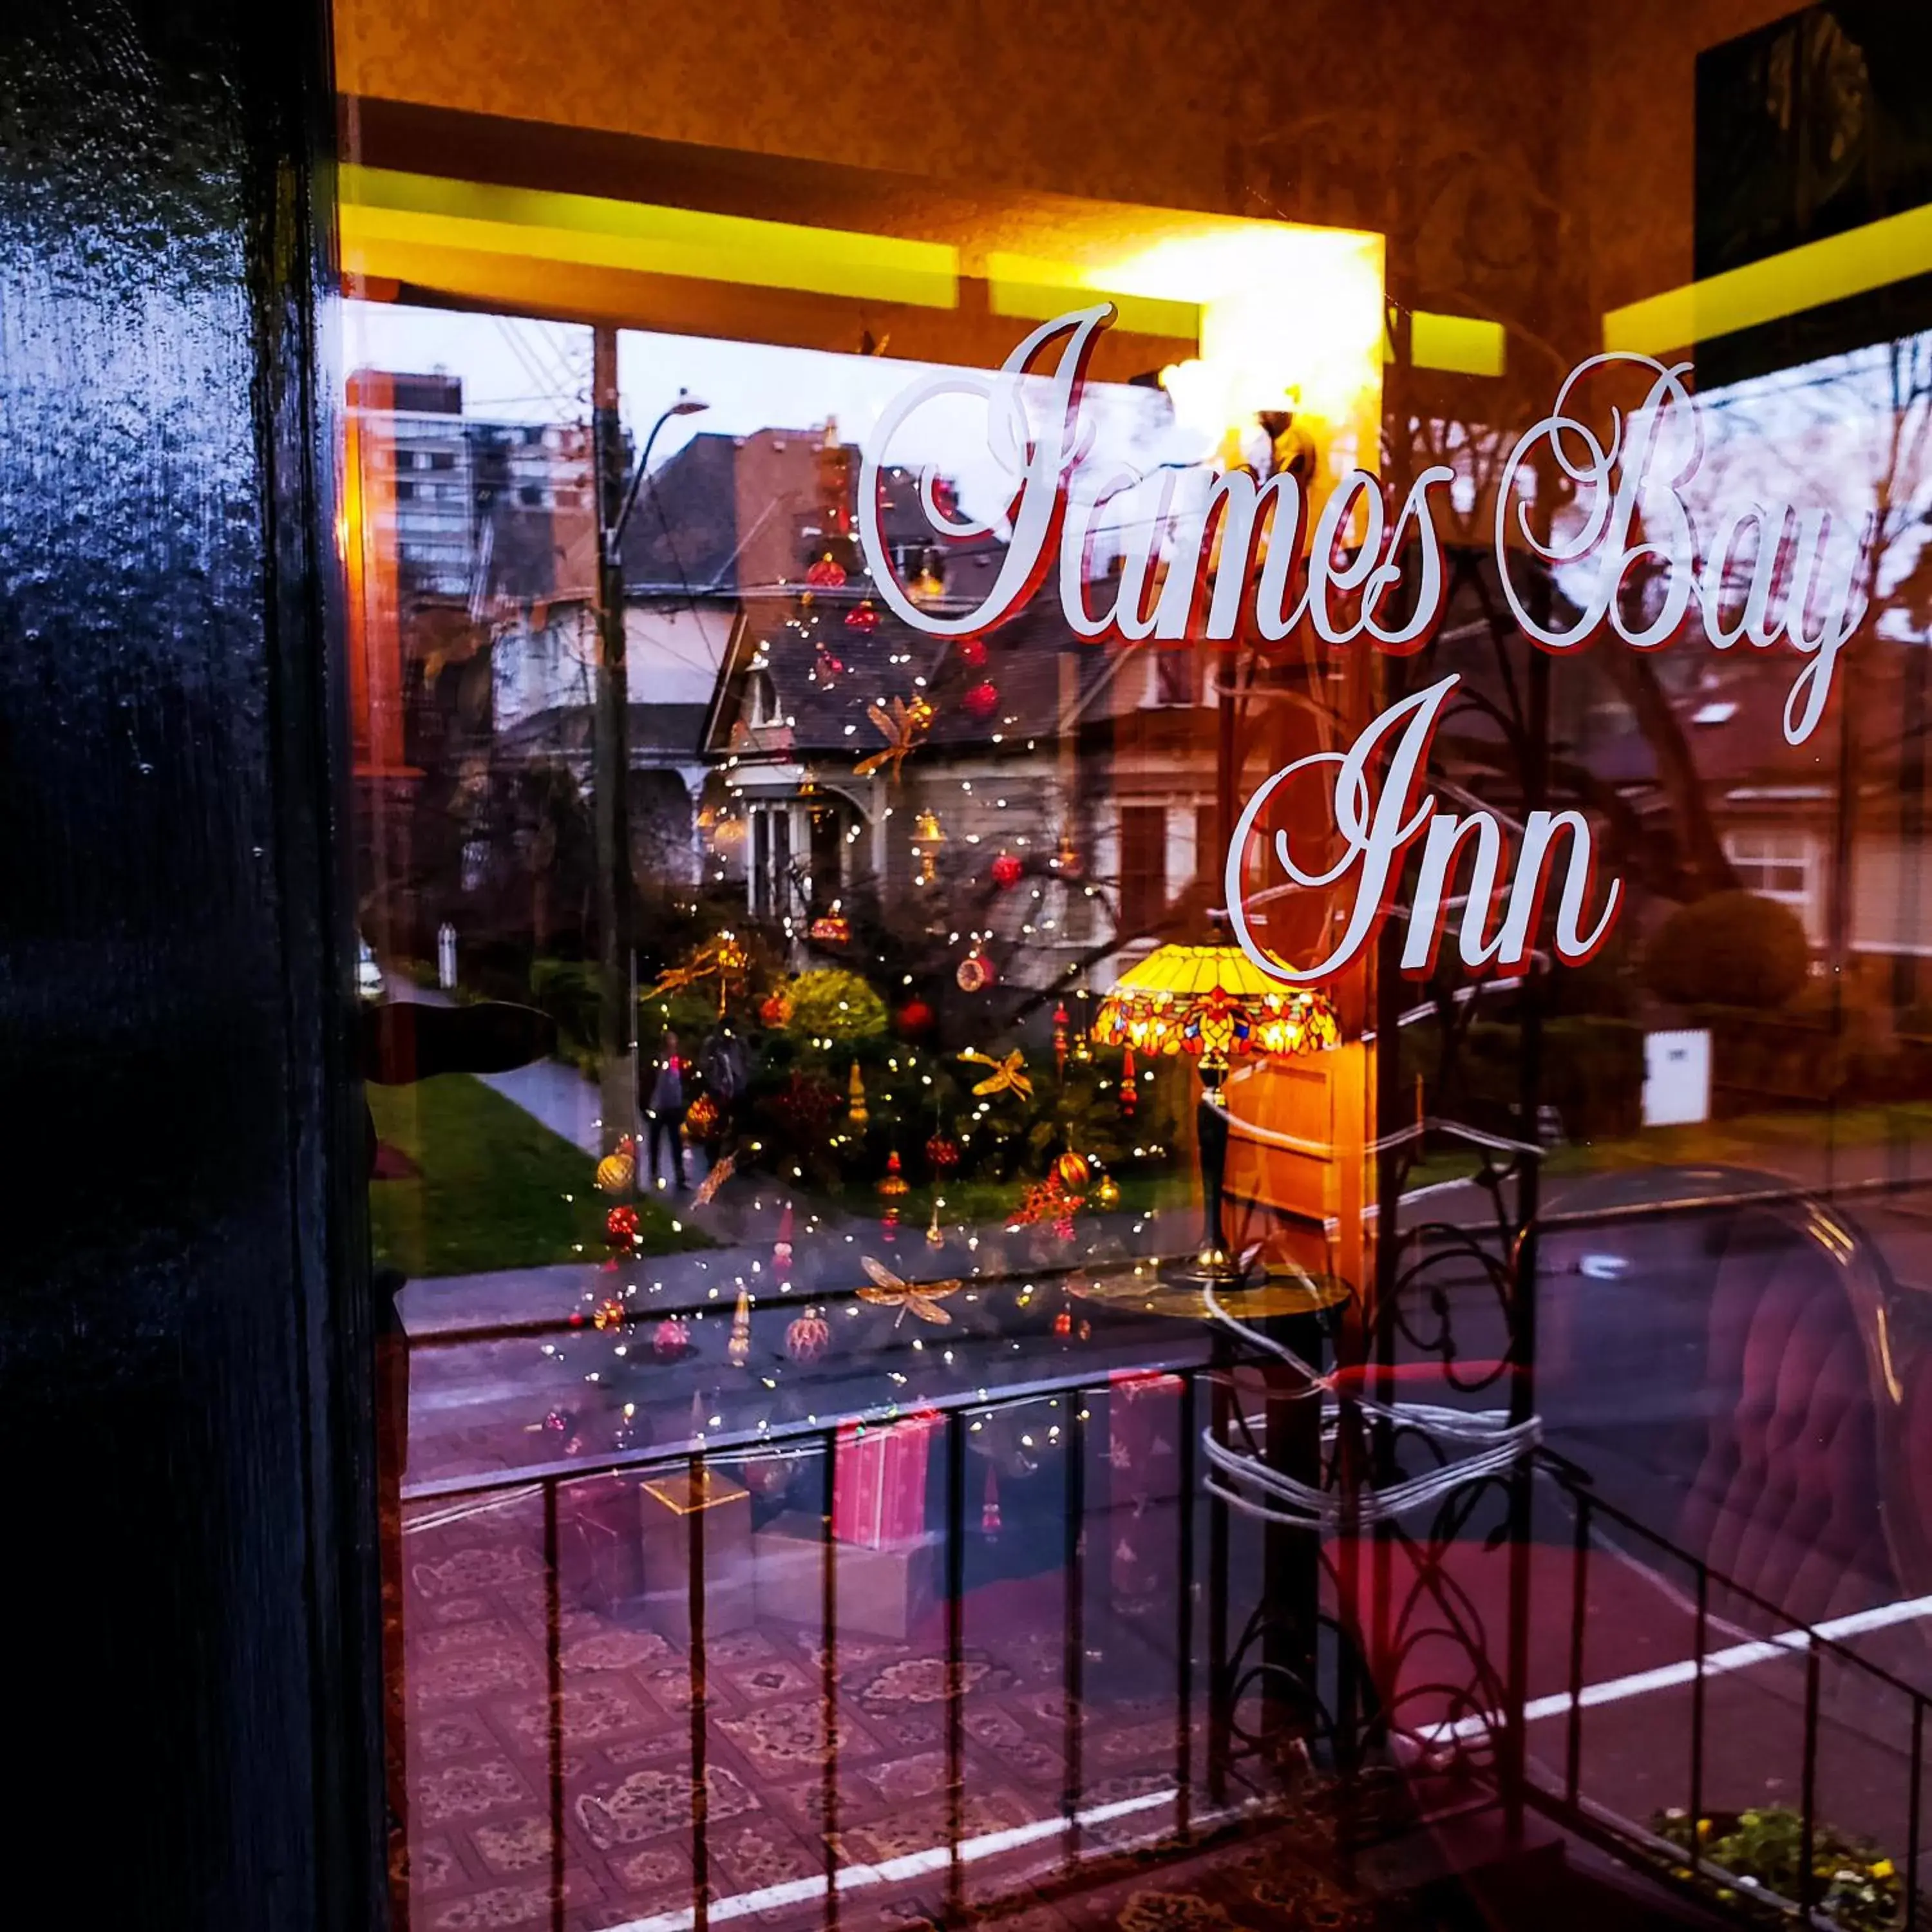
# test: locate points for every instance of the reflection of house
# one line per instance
(544, 668)
(724, 521)
(1088, 766)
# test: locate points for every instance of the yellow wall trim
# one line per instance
(385, 214)
(1851, 264)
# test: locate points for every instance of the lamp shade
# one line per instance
(1212, 1002)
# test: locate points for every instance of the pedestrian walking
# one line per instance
(665, 1113)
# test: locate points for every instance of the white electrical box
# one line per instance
(1676, 1078)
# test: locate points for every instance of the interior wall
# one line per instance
(1638, 174)
(1117, 100)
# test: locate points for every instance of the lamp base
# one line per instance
(1207, 1267)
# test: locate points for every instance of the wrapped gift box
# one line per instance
(878, 1481)
(1143, 1451)
(599, 1549)
(682, 1516)
(880, 1592)
(1144, 1437)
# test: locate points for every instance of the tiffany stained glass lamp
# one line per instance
(1211, 1003)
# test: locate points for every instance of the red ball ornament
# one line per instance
(809, 1337)
(982, 699)
(702, 1119)
(1005, 872)
(620, 1226)
(913, 1018)
(942, 1154)
(776, 1010)
(972, 652)
(862, 617)
(827, 574)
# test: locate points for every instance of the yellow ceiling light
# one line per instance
(1289, 316)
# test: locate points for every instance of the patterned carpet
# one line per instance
(480, 1851)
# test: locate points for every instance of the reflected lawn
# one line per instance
(491, 1188)
(1751, 1139)
(1768, 1139)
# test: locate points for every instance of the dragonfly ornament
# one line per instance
(917, 1298)
(902, 726)
(1008, 1075)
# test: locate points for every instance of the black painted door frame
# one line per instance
(191, 1617)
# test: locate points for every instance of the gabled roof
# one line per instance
(825, 674)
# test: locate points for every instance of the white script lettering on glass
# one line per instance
(1186, 574)
(1350, 587)
(1377, 826)
(1630, 490)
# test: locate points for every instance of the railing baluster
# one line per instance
(1917, 1786)
(1073, 1664)
(553, 1701)
(1702, 1638)
(955, 1715)
(701, 1795)
(829, 1680)
(1579, 1595)
(1183, 1727)
(1806, 1883)
(1220, 1715)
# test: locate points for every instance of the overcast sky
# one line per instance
(517, 370)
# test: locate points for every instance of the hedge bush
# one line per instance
(831, 1003)
(1733, 948)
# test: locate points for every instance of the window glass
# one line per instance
(1147, 1046)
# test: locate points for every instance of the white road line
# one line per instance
(1668, 1676)
(912, 1864)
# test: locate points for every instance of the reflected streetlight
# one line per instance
(686, 404)
(610, 748)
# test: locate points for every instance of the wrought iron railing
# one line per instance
(1716, 1600)
(1361, 1655)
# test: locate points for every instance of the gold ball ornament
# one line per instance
(975, 973)
(1071, 1170)
(616, 1172)
(1107, 1194)
(609, 1314)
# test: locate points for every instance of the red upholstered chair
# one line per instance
(1788, 1500)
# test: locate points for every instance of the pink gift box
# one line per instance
(878, 1481)
(1143, 1452)
(1143, 1436)
(599, 1551)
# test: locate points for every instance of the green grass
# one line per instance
(497, 1189)
(1750, 1140)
